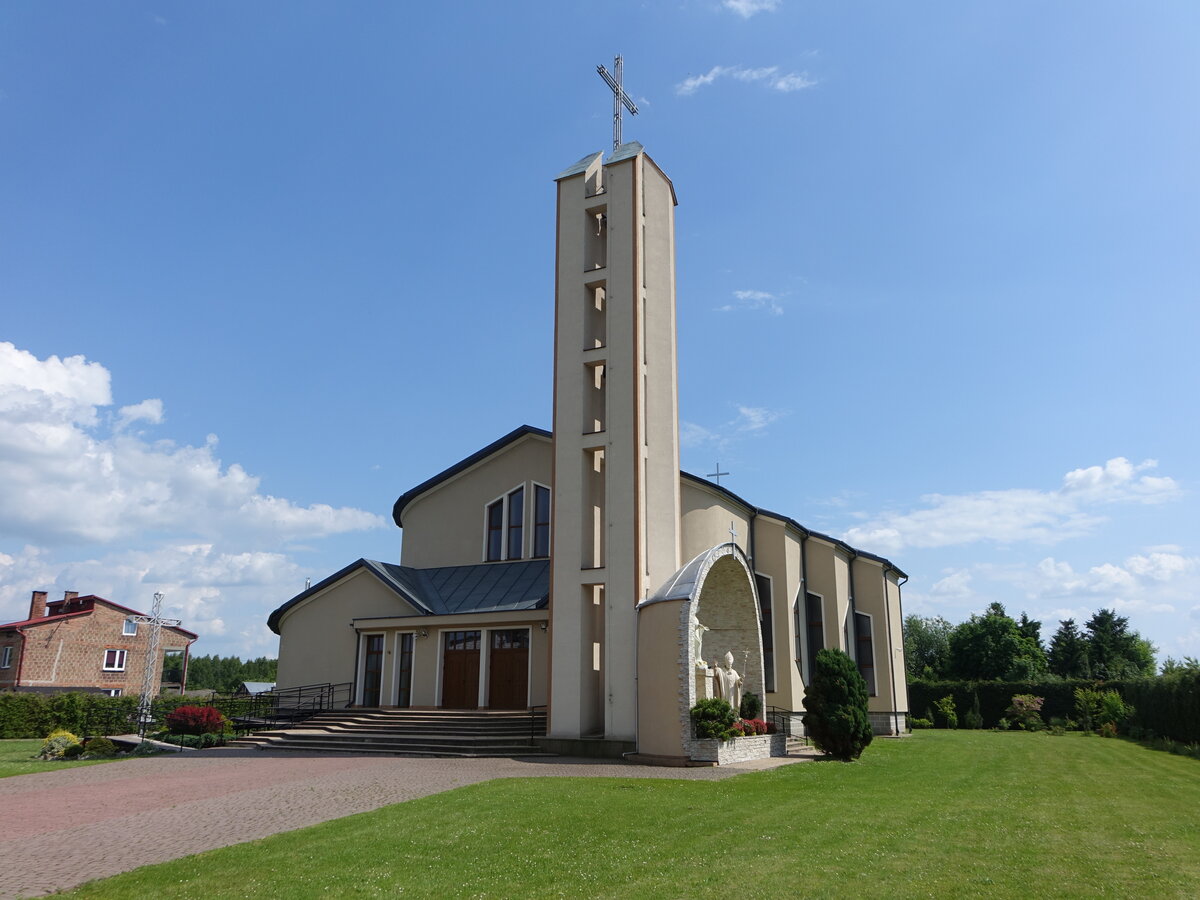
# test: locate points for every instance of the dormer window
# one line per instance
(129, 628)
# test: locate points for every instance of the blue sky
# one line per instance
(263, 267)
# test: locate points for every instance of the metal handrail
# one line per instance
(533, 720)
(784, 720)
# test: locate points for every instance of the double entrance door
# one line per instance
(508, 668)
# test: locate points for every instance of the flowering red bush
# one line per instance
(755, 726)
(195, 720)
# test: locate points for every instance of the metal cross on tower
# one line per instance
(619, 96)
(151, 674)
(717, 474)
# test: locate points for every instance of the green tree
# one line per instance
(1068, 655)
(991, 647)
(836, 706)
(926, 646)
(1114, 651)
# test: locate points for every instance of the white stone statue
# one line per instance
(728, 682)
(698, 629)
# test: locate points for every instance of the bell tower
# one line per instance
(616, 433)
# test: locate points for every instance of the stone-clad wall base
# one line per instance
(742, 749)
(887, 723)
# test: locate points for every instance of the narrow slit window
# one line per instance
(495, 531)
(541, 521)
(865, 648)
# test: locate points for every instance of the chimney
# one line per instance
(37, 605)
(68, 596)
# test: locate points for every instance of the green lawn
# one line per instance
(19, 758)
(939, 814)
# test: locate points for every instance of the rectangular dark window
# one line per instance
(511, 639)
(114, 660)
(767, 622)
(404, 671)
(541, 520)
(6, 658)
(798, 631)
(516, 520)
(865, 650)
(816, 627)
(495, 531)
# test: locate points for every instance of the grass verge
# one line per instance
(18, 757)
(939, 814)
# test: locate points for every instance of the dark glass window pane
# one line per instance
(516, 518)
(767, 621)
(541, 521)
(865, 649)
(816, 628)
(495, 526)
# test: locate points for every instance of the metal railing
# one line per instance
(537, 716)
(286, 706)
(787, 721)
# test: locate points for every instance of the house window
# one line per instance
(6, 658)
(495, 531)
(129, 628)
(798, 631)
(113, 692)
(767, 622)
(541, 520)
(114, 660)
(516, 523)
(865, 650)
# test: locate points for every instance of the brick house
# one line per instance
(82, 644)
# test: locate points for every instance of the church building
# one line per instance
(580, 569)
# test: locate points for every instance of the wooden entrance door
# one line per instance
(460, 670)
(508, 669)
(372, 669)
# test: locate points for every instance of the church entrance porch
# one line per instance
(460, 669)
(508, 669)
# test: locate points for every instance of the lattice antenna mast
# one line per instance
(620, 98)
(151, 675)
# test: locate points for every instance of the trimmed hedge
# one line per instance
(1169, 707)
(28, 715)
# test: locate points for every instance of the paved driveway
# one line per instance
(59, 829)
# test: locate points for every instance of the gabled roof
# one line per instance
(54, 617)
(511, 438)
(449, 590)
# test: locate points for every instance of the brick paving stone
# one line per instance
(60, 829)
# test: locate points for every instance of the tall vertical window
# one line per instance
(865, 650)
(541, 520)
(798, 631)
(816, 627)
(6, 658)
(495, 531)
(516, 520)
(767, 623)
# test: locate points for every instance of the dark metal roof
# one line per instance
(461, 466)
(450, 590)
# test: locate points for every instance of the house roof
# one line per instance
(449, 590)
(512, 437)
(54, 617)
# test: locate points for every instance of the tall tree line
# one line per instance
(226, 673)
(995, 646)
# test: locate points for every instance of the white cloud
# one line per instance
(1016, 514)
(768, 75)
(756, 418)
(954, 586)
(747, 8)
(66, 480)
(1160, 566)
(147, 411)
(754, 300)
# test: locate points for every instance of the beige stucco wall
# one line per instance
(446, 525)
(828, 575)
(318, 644)
(707, 515)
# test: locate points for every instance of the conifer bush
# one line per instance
(836, 707)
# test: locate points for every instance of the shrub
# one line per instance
(1108, 729)
(714, 718)
(72, 751)
(101, 747)
(1025, 712)
(56, 744)
(196, 720)
(973, 718)
(945, 712)
(922, 723)
(755, 726)
(751, 706)
(836, 706)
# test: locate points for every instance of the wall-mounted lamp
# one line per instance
(424, 633)
(543, 626)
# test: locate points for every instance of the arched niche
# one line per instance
(715, 589)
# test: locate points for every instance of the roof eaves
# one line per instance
(461, 466)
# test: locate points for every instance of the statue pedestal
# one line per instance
(704, 683)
